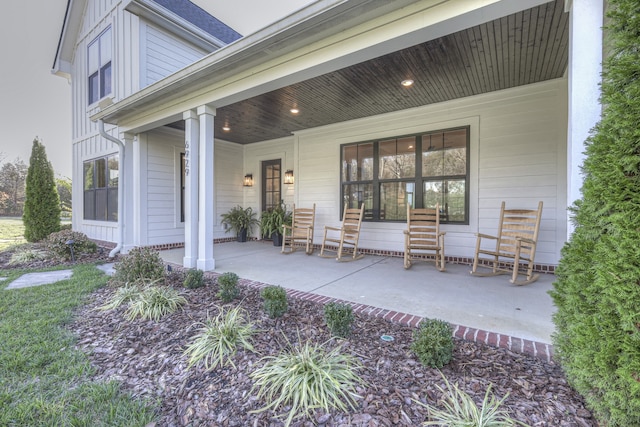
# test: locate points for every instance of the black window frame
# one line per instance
(99, 81)
(100, 193)
(371, 188)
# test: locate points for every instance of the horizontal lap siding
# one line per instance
(229, 180)
(164, 54)
(163, 222)
(520, 158)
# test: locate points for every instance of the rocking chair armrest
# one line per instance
(326, 227)
(442, 233)
(486, 236)
(525, 240)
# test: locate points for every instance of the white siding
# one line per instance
(517, 154)
(162, 54)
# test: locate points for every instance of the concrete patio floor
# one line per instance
(489, 304)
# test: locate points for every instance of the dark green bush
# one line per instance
(56, 244)
(42, 204)
(433, 343)
(228, 287)
(339, 318)
(275, 301)
(194, 279)
(597, 339)
(139, 263)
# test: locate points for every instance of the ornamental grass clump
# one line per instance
(125, 294)
(26, 255)
(306, 378)
(154, 302)
(194, 279)
(339, 318)
(228, 287)
(275, 301)
(460, 410)
(433, 343)
(220, 337)
(139, 263)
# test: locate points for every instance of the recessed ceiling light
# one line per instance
(226, 128)
(407, 83)
(294, 111)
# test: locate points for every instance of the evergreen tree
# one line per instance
(42, 205)
(598, 287)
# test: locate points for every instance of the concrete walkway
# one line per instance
(487, 306)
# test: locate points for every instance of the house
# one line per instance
(463, 102)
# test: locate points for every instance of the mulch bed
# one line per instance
(147, 358)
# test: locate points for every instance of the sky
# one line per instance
(35, 103)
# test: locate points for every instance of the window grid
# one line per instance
(99, 67)
(418, 170)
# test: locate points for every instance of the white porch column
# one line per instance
(206, 186)
(191, 154)
(585, 66)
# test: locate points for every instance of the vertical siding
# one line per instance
(163, 54)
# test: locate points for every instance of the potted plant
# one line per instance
(271, 222)
(240, 221)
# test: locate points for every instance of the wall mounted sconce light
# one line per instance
(248, 180)
(288, 177)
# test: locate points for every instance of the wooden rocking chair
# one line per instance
(349, 233)
(423, 236)
(516, 242)
(300, 232)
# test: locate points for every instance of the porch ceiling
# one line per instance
(527, 47)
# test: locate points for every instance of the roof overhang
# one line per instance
(68, 36)
(325, 36)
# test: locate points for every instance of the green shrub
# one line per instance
(228, 284)
(220, 337)
(42, 204)
(139, 263)
(275, 301)
(56, 244)
(597, 338)
(433, 343)
(153, 302)
(194, 279)
(461, 410)
(306, 378)
(339, 318)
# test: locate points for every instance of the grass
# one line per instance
(44, 380)
(11, 232)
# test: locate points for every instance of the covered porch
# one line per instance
(485, 304)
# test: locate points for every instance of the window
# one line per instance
(417, 170)
(271, 184)
(99, 67)
(101, 189)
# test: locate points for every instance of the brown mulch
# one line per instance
(147, 358)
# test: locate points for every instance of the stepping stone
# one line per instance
(38, 279)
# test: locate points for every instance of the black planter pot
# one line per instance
(242, 235)
(277, 239)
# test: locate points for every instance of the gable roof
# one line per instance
(201, 19)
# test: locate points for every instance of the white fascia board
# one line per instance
(68, 37)
(223, 77)
(164, 18)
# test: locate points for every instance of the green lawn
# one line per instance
(44, 380)
(11, 232)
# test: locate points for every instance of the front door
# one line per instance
(271, 185)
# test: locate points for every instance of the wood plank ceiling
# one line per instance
(527, 47)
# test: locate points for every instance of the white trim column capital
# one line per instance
(205, 109)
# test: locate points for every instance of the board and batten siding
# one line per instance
(517, 154)
(163, 54)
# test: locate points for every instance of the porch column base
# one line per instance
(189, 262)
(206, 264)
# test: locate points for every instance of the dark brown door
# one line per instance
(271, 184)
